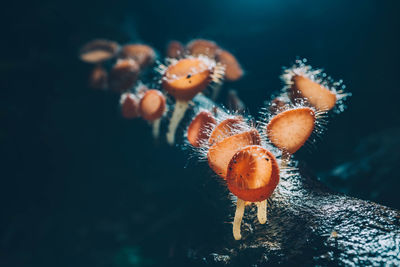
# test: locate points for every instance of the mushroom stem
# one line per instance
(262, 211)
(179, 111)
(285, 159)
(240, 204)
(156, 128)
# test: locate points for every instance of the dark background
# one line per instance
(80, 186)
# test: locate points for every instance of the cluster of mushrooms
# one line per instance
(248, 155)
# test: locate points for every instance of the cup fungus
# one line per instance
(124, 75)
(129, 106)
(144, 55)
(226, 128)
(314, 93)
(233, 70)
(199, 129)
(290, 129)
(175, 49)
(221, 153)
(183, 80)
(252, 175)
(152, 107)
(234, 148)
(98, 51)
(303, 84)
(202, 47)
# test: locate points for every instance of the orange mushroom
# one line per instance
(199, 129)
(226, 128)
(252, 175)
(98, 51)
(314, 93)
(183, 80)
(124, 75)
(233, 70)
(290, 129)
(144, 55)
(221, 153)
(152, 107)
(129, 106)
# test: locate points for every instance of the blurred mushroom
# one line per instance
(129, 106)
(152, 107)
(98, 78)
(202, 47)
(233, 70)
(175, 49)
(124, 75)
(144, 55)
(98, 51)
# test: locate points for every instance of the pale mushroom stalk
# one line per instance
(262, 211)
(240, 204)
(285, 160)
(179, 111)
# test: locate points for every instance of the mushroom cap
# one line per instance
(98, 50)
(175, 49)
(129, 106)
(226, 128)
(253, 173)
(233, 70)
(143, 54)
(220, 154)
(202, 47)
(317, 95)
(124, 75)
(199, 129)
(152, 105)
(289, 130)
(187, 77)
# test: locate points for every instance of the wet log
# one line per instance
(309, 225)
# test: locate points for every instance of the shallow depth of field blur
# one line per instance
(81, 186)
